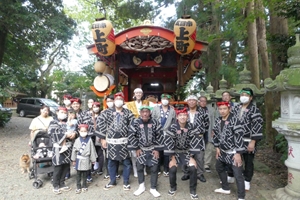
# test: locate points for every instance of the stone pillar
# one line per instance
(288, 82)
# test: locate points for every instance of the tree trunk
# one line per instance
(3, 34)
(252, 46)
(265, 68)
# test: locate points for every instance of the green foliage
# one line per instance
(4, 118)
(281, 146)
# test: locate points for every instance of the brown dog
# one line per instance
(25, 163)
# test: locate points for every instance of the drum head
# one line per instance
(101, 83)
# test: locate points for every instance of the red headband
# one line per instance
(119, 94)
(181, 111)
(76, 100)
(67, 96)
(223, 103)
(83, 126)
(63, 108)
(96, 104)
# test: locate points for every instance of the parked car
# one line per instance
(5, 115)
(32, 106)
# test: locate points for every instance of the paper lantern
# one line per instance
(104, 37)
(185, 35)
(99, 66)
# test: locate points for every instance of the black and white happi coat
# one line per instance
(114, 125)
(200, 122)
(205, 117)
(228, 137)
(147, 136)
(57, 131)
(84, 153)
(251, 121)
(182, 143)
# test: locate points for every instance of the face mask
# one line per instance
(67, 102)
(83, 134)
(164, 102)
(110, 104)
(61, 116)
(96, 110)
(118, 103)
(244, 99)
(90, 105)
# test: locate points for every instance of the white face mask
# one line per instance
(61, 116)
(67, 102)
(164, 102)
(118, 103)
(96, 110)
(83, 134)
(110, 104)
(244, 99)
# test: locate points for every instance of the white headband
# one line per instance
(192, 97)
(138, 90)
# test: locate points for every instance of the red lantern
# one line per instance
(185, 35)
(104, 37)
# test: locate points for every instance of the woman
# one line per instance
(40, 123)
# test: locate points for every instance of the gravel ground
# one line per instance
(14, 185)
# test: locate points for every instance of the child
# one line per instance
(83, 155)
(71, 126)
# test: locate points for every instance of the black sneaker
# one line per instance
(65, 188)
(118, 176)
(106, 177)
(99, 173)
(172, 192)
(194, 196)
(109, 186)
(185, 177)
(202, 178)
(207, 169)
(89, 180)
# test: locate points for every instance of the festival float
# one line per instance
(153, 58)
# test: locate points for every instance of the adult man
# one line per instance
(76, 105)
(182, 143)
(252, 123)
(227, 98)
(61, 161)
(229, 145)
(208, 114)
(112, 129)
(200, 121)
(146, 138)
(166, 115)
(134, 106)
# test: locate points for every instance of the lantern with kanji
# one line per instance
(185, 35)
(104, 37)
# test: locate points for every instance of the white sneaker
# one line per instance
(154, 193)
(220, 190)
(247, 185)
(135, 175)
(140, 190)
(230, 179)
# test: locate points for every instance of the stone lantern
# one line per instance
(288, 83)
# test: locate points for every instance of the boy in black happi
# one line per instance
(181, 144)
(228, 140)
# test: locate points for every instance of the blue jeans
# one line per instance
(112, 168)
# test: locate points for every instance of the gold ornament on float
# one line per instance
(104, 37)
(185, 35)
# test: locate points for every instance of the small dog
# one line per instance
(25, 163)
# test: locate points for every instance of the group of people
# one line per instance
(142, 135)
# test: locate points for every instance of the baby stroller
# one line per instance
(41, 154)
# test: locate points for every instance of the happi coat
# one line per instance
(182, 143)
(251, 121)
(57, 131)
(228, 137)
(113, 125)
(84, 153)
(147, 136)
(200, 122)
